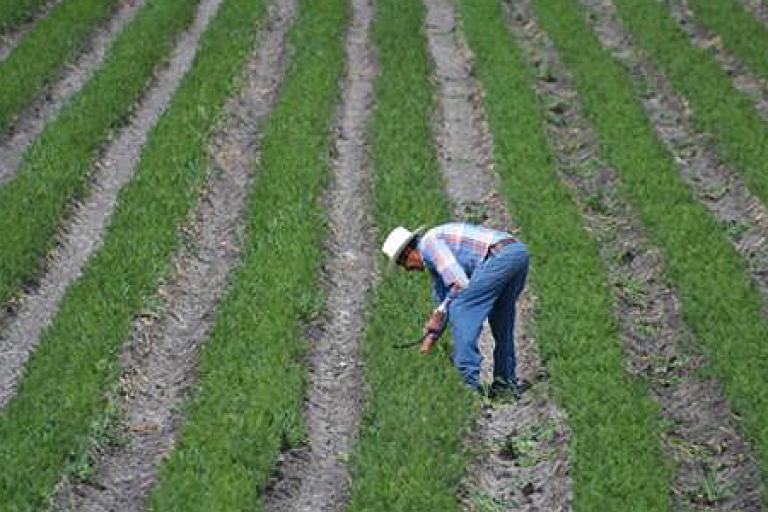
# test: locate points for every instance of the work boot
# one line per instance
(505, 390)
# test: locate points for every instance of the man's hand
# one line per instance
(427, 343)
(432, 331)
(435, 323)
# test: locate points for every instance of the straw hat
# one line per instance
(397, 241)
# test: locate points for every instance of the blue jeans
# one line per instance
(492, 293)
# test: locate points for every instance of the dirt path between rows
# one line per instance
(315, 478)
(744, 80)
(82, 234)
(10, 39)
(759, 10)
(160, 357)
(713, 183)
(495, 480)
(701, 437)
(73, 77)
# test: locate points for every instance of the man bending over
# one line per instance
(476, 273)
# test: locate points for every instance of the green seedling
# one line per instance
(720, 304)
(738, 30)
(631, 288)
(595, 203)
(571, 287)
(526, 448)
(253, 379)
(475, 213)
(54, 41)
(712, 490)
(737, 229)
(416, 428)
(482, 502)
(53, 171)
(95, 315)
(13, 12)
(646, 330)
(717, 191)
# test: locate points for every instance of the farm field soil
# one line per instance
(15, 12)
(736, 28)
(658, 345)
(713, 181)
(65, 418)
(53, 42)
(726, 318)
(574, 322)
(314, 477)
(32, 121)
(251, 376)
(406, 460)
(82, 235)
(16, 25)
(55, 169)
(743, 78)
(758, 8)
(465, 148)
(737, 131)
(192, 201)
(158, 360)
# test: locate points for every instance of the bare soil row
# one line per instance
(11, 38)
(32, 121)
(759, 9)
(465, 148)
(713, 182)
(702, 439)
(81, 236)
(160, 357)
(315, 477)
(744, 79)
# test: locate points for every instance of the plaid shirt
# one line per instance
(451, 252)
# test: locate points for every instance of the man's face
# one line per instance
(411, 259)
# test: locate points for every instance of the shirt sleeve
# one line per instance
(444, 262)
(439, 291)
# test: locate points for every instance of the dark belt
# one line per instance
(498, 246)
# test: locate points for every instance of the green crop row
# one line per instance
(740, 135)
(54, 169)
(719, 302)
(45, 427)
(43, 52)
(249, 405)
(409, 456)
(616, 456)
(14, 12)
(738, 29)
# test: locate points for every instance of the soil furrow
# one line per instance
(465, 151)
(32, 121)
(759, 10)
(160, 357)
(744, 80)
(82, 234)
(11, 38)
(702, 438)
(315, 478)
(717, 186)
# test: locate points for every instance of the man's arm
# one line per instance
(445, 264)
(453, 277)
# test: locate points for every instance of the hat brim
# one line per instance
(416, 232)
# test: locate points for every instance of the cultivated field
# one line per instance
(196, 314)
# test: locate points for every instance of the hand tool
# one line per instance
(426, 342)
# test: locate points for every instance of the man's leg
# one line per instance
(502, 320)
(473, 305)
(466, 323)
